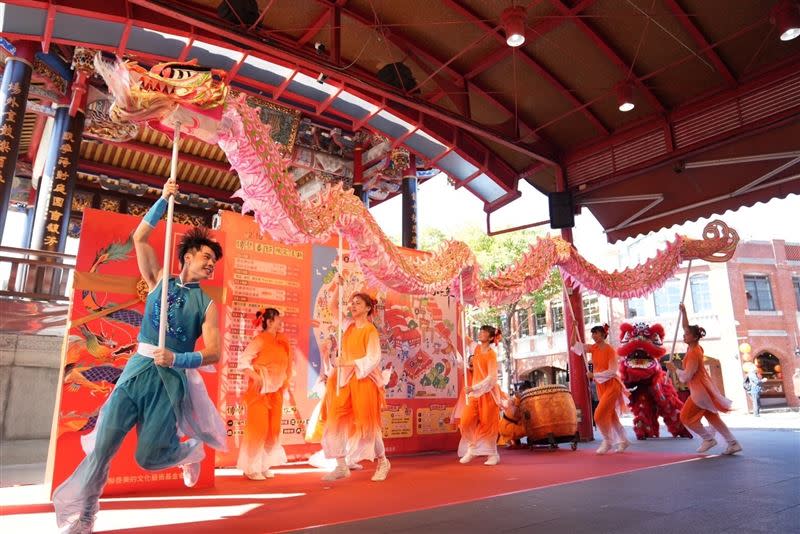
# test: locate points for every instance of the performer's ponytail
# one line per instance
(264, 316)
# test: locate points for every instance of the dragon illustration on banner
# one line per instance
(198, 99)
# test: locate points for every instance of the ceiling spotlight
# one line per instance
(321, 78)
(785, 15)
(513, 22)
(320, 48)
(625, 97)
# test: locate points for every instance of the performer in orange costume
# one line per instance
(353, 409)
(704, 398)
(610, 391)
(267, 363)
(480, 420)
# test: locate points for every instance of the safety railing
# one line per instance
(35, 274)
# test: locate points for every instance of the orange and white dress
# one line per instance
(704, 397)
(270, 356)
(353, 415)
(480, 418)
(611, 392)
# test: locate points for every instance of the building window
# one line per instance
(668, 297)
(557, 312)
(523, 327)
(758, 292)
(796, 284)
(701, 296)
(636, 308)
(591, 311)
(540, 322)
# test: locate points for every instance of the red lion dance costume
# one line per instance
(652, 394)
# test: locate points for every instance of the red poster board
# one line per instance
(98, 344)
(417, 339)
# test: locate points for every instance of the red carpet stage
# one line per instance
(297, 498)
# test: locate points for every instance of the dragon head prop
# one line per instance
(641, 346)
(167, 93)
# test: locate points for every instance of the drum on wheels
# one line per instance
(549, 415)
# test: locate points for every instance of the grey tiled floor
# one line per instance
(757, 491)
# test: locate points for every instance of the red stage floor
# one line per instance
(296, 498)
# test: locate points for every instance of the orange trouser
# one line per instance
(263, 426)
(480, 420)
(353, 414)
(605, 415)
(691, 414)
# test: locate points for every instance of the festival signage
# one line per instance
(104, 320)
(418, 334)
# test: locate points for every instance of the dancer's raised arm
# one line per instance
(146, 257)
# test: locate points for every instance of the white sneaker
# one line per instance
(255, 476)
(707, 444)
(191, 473)
(81, 526)
(341, 471)
(382, 471)
(604, 447)
(493, 459)
(622, 445)
(733, 448)
(467, 458)
(268, 474)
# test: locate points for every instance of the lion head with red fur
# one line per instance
(641, 347)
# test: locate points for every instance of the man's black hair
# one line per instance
(194, 240)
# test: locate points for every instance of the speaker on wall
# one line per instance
(562, 210)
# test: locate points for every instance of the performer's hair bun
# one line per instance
(603, 330)
(697, 331)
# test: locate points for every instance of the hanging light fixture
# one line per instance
(513, 21)
(785, 15)
(625, 96)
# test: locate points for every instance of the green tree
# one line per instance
(495, 253)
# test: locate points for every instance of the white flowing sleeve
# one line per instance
(602, 377)
(686, 374)
(372, 359)
(249, 354)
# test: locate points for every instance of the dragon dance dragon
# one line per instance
(199, 100)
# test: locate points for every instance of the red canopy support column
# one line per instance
(574, 327)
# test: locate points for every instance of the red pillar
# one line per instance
(574, 327)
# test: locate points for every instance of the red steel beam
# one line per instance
(701, 40)
(547, 25)
(611, 54)
(371, 85)
(315, 27)
(529, 60)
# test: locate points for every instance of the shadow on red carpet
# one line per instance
(296, 500)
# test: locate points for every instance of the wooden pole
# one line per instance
(680, 313)
(173, 175)
(341, 311)
(463, 333)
